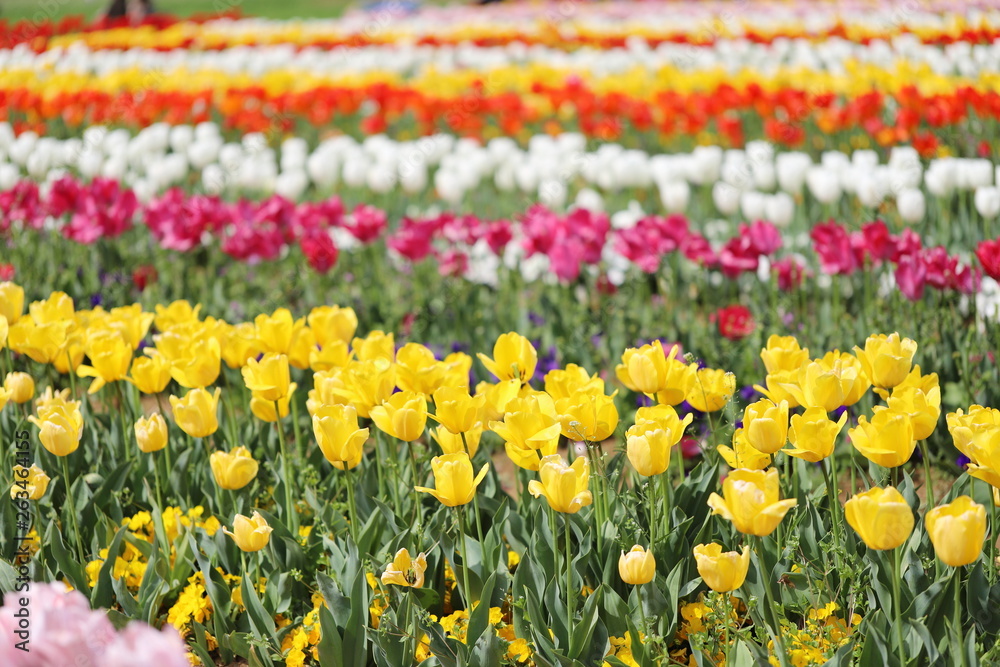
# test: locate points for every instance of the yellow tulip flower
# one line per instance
(417, 369)
(783, 353)
(4, 328)
(722, 572)
(405, 571)
(195, 414)
(200, 363)
(151, 433)
(984, 454)
(514, 357)
(750, 499)
(110, 357)
(233, 469)
(301, 349)
(711, 390)
(887, 359)
(376, 345)
(57, 308)
(588, 417)
(454, 443)
(11, 302)
(564, 382)
(333, 323)
(150, 375)
(269, 377)
(743, 454)
(403, 416)
(528, 436)
(963, 426)
(31, 482)
(826, 383)
(782, 386)
(264, 410)
(924, 408)
(453, 479)
(275, 331)
(886, 440)
(335, 354)
(341, 441)
(766, 425)
(813, 434)
(957, 531)
(61, 428)
(178, 312)
(861, 382)
(20, 387)
(881, 517)
(239, 343)
(564, 486)
(364, 384)
(638, 566)
(456, 410)
(250, 534)
(44, 343)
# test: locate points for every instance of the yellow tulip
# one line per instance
(514, 357)
(498, 397)
(44, 343)
(333, 323)
(341, 441)
(3, 332)
(881, 517)
(814, 435)
(31, 482)
(564, 486)
(301, 349)
(750, 499)
(57, 308)
(826, 383)
(70, 355)
(50, 399)
(335, 354)
(110, 357)
(4, 397)
(743, 454)
(637, 567)
(376, 345)
(963, 426)
(453, 479)
(151, 433)
(418, 370)
(456, 410)
(650, 442)
(20, 386)
(195, 414)
(861, 382)
(233, 469)
(200, 363)
(564, 382)
(782, 386)
(766, 425)
(405, 571)
(269, 377)
(61, 428)
(984, 454)
(957, 531)
(647, 369)
(887, 359)
(403, 416)
(783, 353)
(711, 390)
(528, 436)
(264, 410)
(722, 572)
(457, 367)
(178, 312)
(886, 440)
(11, 302)
(275, 331)
(364, 384)
(239, 343)
(588, 417)
(454, 443)
(924, 408)
(250, 534)
(150, 375)
(131, 323)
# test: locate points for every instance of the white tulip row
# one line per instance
(834, 55)
(757, 183)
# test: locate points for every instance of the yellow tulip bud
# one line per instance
(195, 414)
(61, 428)
(335, 354)
(722, 572)
(29, 483)
(250, 534)
(333, 323)
(376, 345)
(887, 440)
(110, 357)
(886, 359)
(783, 354)
(750, 499)
(151, 375)
(650, 443)
(782, 386)
(638, 566)
(264, 410)
(11, 301)
(564, 486)
(275, 331)
(588, 417)
(454, 443)
(268, 378)
(743, 454)
(233, 469)
(302, 346)
(456, 410)
(20, 386)
(405, 571)
(403, 416)
(453, 479)
(514, 357)
(881, 517)
(338, 436)
(984, 454)
(151, 433)
(766, 425)
(963, 426)
(814, 435)
(711, 390)
(826, 383)
(957, 531)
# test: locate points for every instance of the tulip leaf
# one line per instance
(983, 602)
(102, 595)
(487, 650)
(584, 629)
(741, 656)
(67, 564)
(128, 603)
(479, 618)
(261, 622)
(875, 650)
(331, 646)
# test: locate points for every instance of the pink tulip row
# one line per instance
(259, 231)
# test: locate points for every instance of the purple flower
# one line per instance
(96, 300)
(536, 319)
(962, 461)
(643, 401)
(749, 394)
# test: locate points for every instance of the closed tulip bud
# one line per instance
(514, 357)
(151, 433)
(403, 416)
(650, 444)
(722, 572)
(110, 357)
(588, 417)
(454, 443)
(264, 410)
(11, 301)
(333, 323)
(453, 479)
(564, 486)
(405, 571)
(456, 410)
(268, 378)
(887, 359)
(957, 531)
(645, 368)
(250, 534)
(766, 425)
(195, 414)
(637, 567)
(711, 390)
(275, 331)
(61, 429)
(881, 517)
(20, 387)
(528, 436)
(750, 499)
(886, 440)
(984, 452)
(31, 481)
(742, 454)
(376, 345)
(341, 441)
(814, 435)
(783, 354)
(151, 375)
(564, 382)
(233, 469)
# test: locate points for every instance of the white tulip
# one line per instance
(823, 184)
(791, 171)
(911, 204)
(752, 204)
(726, 198)
(987, 200)
(779, 209)
(675, 196)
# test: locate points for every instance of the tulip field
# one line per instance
(576, 334)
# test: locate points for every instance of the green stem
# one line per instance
(959, 631)
(291, 520)
(830, 471)
(770, 606)
(570, 598)
(156, 476)
(71, 508)
(897, 603)
(467, 593)
(928, 481)
(352, 508)
(475, 496)
(295, 429)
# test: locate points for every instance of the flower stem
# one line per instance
(959, 632)
(928, 481)
(897, 603)
(156, 476)
(770, 606)
(291, 520)
(830, 471)
(570, 598)
(475, 497)
(70, 506)
(351, 507)
(467, 593)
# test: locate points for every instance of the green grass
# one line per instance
(36, 10)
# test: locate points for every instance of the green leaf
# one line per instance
(584, 630)
(102, 595)
(261, 622)
(331, 646)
